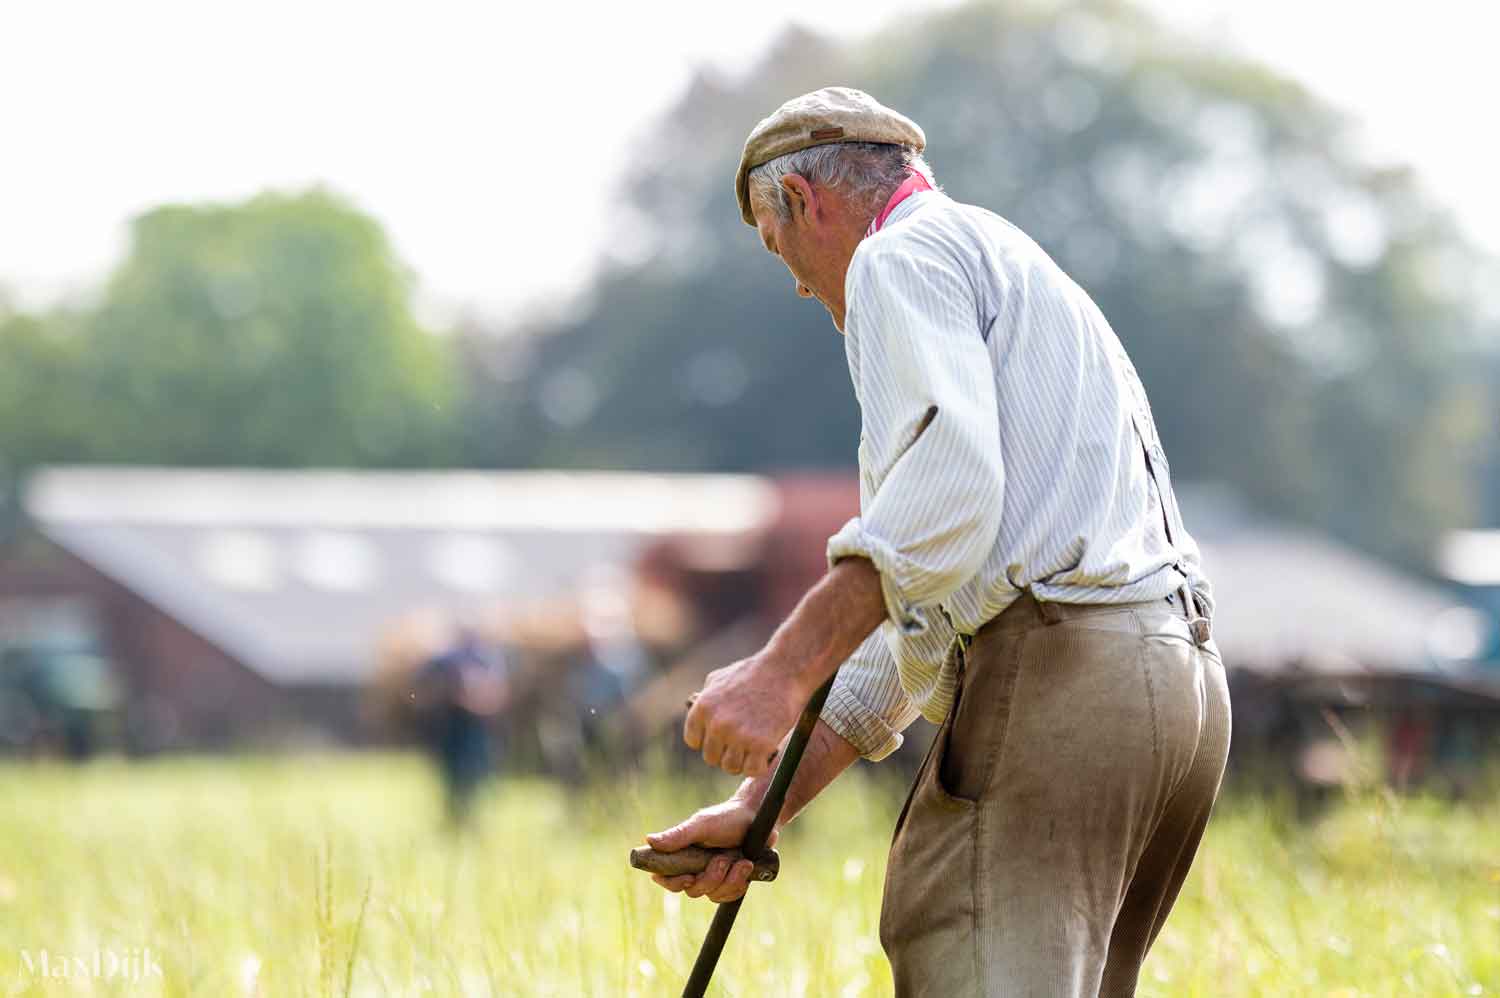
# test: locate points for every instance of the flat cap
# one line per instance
(833, 114)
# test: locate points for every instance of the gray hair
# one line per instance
(866, 172)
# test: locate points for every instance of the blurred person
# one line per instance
(1022, 555)
(613, 659)
(458, 693)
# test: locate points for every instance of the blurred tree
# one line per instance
(1302, 319)
(277, 331)
(42, 411)
(43, 415)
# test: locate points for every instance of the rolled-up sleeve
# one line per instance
(867, 706)
(930, 437)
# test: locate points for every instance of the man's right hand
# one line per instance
(721, 826)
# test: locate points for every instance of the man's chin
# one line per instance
(838, 322)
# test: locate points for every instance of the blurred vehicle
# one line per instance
(58, 695)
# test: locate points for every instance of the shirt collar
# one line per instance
(908, 206)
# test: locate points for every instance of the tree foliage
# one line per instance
(1302, 320)
(1305, 322)
(277, 331)
(281, 328)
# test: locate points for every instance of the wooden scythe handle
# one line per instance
(695, 859)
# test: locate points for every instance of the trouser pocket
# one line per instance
(927, 913)
(981, 715)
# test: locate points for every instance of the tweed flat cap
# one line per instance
(833, 114)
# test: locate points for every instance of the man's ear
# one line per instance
(799, 197)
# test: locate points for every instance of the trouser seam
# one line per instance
(977, 886)
(1145, 667)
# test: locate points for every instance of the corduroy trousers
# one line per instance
(1052, 823)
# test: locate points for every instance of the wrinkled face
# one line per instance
(812, 244)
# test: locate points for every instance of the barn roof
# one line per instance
(294, 573)
(1287, 594)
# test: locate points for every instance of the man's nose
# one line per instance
(803, 291)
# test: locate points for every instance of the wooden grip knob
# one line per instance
(695, 859)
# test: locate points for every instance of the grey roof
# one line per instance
(1287, 594)
(296, 573)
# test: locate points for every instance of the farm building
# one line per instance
(248, 606)
(253, 607)
(1324, 642)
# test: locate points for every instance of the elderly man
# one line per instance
(1019, 573)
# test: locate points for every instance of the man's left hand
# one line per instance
(741, 715)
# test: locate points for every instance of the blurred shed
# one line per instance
(242, 605)
(1320, 638)
(1289, 597)
(247, 604)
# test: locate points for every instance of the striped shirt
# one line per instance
(1003, 446)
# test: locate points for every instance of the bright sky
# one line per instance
(489, 141)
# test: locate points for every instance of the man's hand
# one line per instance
(722, 826)
(742, 713)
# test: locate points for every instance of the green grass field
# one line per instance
(328, 876)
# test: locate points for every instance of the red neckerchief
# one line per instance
(914, 182)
